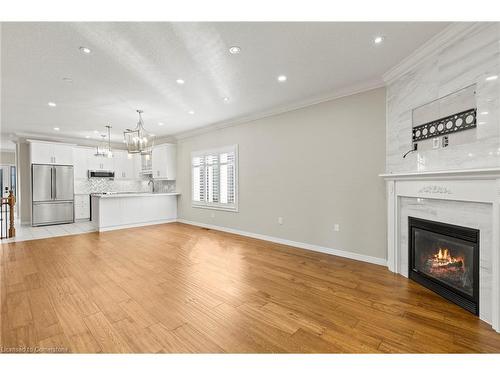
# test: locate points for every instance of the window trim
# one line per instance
(218, 206)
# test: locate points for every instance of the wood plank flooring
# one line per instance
(176, 288)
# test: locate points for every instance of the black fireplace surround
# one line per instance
(445, 259)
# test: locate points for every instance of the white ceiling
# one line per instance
(135, 65)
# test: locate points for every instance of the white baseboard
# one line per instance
(282, 241)
(134, 225)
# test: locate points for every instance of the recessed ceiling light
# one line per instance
(491, 78)
(51, 104)
(191, 112)
(57, 129)
(160, 124)
(180, 81)
(378, 39)
(85, 50)
(226, 99)
(87, 136)
(67, 80)
(484, 113)
(234, 50)
(282, 78)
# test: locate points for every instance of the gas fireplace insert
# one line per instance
(445, 259)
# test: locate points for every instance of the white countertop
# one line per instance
(126, 195)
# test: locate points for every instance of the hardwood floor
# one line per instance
(178, 288)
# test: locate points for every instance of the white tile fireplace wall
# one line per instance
(458, 184)
(467, 198)
(462, 55)
(466, 214)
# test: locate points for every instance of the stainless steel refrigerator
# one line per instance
(52, 194)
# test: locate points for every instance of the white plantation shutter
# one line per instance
(214, 178)
(199, 178)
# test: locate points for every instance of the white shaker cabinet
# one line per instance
(82, 207)
(164, 163)
(126, 165)
(80, 159)
(98, 163)
(42, 152)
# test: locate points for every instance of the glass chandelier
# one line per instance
(104, 147)
(139, 140)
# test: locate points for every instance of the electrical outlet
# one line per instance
(436, 142)
(280, 220)
(336, 228)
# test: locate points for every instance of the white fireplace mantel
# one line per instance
(469, 185)
(456, 174)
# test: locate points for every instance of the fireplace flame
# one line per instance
(443, 258)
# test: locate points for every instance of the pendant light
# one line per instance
(139, 140)
(104, 147)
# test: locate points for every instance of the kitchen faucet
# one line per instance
(151, 180)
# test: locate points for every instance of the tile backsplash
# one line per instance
(100, 185)
(164, 186)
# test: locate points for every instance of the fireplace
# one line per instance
(445, 259)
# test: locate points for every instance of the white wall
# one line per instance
(7, 157)
(465, 55)
(314, 166)
(24, 181)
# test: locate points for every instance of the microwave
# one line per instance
(101, 174)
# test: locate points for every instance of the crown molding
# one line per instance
(449, 35)
(347, 91)
(23, 137)
(165, 139)
(7, 143)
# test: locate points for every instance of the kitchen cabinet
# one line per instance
(42, 152)
(82, 207)
(164, 161)
(80, 159)
(117, 211)
(126, 165)
(99, 163)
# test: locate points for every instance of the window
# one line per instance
(215, 178)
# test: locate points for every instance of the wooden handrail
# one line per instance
(11, 201)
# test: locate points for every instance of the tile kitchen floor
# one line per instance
(27, 232)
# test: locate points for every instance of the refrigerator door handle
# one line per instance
(54, 183)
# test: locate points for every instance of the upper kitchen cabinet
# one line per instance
(127, 165)
(99, 163)
(164, 162)
(80, 158)
(42, 152)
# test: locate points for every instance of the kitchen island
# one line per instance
(126, 210)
